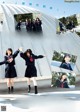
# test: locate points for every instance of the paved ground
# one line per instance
(48, 100)
(44, 102)
(43, 86)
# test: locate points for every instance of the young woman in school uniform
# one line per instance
(10, 71)
(66, 62)
(31, 71)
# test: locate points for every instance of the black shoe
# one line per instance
(9, 90)
(29, 89)
(36, 90)
(12, 89)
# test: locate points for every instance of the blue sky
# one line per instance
(57, 8)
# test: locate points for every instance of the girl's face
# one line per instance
(64, 77)
(28, 54)
(67, 59)
(9, 52)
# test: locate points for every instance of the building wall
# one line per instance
(44, 43)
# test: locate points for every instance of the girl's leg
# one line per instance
(34, 81)
(35, 84)
(8, 84)
(29, 82)
(12, 84)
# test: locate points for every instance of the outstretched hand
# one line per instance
(20, 49)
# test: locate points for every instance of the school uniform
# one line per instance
(30, 63)
(38, 25)
(29, 26)
(3, 62)
(66, 66)
(34, 26)
(62, 84)
(10, 71)
(18, 26)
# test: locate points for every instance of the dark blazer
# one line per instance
(31, 60)
(10, 71)
(61, 84)
(66, 66)
(31, 70)
(6, 58)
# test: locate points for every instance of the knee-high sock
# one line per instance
(36, 90)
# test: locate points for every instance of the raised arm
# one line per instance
(22, 55)
(15, 54)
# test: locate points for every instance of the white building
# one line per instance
(44, 44)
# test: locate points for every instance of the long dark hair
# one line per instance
(28, 51)
(10, 51)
